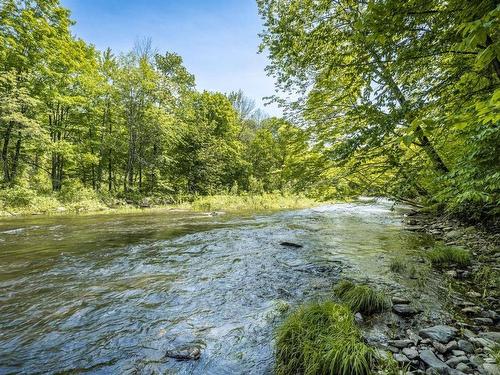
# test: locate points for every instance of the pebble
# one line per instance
(411, 353)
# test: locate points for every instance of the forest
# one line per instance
(390, 99)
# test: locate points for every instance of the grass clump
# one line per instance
(397, 265)
(322, 338)
(445, 255)
(361, 297)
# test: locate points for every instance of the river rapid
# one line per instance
(111, 294)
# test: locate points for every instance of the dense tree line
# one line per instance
(128, 125)
(402, 97)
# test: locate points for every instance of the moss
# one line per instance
(361, 297)
(441, 256)
(322, 338)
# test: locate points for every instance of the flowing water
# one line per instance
(111, 294)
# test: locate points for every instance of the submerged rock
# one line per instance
(440, 333)
(184, 354)
(290, 244)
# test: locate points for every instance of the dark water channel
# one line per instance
(110, 294)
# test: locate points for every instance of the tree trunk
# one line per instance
(15, 160)
(5, 153)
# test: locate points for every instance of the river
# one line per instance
(111, 294)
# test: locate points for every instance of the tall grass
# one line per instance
(260, 202)
(361, 297)
(398, 264)
(322, 338)
(446, 255)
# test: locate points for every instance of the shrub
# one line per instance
(446, 255)
(322, 338)
(362, 297)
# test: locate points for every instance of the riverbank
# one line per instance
(24, 204)
(457, 331)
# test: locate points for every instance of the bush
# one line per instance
(322, 338)
(17, 197)
(362, 297)
(446, 255)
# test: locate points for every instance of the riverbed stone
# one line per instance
(433, 362)
(441, 348)
(411, 353)
(471, 310)
(465, 346)
(440, 333)
(454, 361)
(401, 358)
(484, 321)
(184, 353)
(463, 368)
(405, 310)
(400, 344)
(493, 336)
(398, 300)
(457, 353)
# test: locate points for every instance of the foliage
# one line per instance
(361, 297)
(401, 98)
(322, 338)
(442, 256)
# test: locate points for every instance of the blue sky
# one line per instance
(217, 38)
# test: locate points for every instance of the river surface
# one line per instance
(111, 294)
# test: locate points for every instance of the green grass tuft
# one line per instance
(322, 338)
(362, 297)
(398, 265)
(445, 255)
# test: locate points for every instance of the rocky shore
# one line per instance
(467, 341)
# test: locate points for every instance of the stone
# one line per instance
(291, 244)
(411, 353)
(441, 348)
(484, 321)
(400, 343)
(433, 362)
(405, 310)
(491, 369)
(493, 336)
(184, 354)
(463, 368)
(454, 361)
(489, 314)
(440, 333)
(451, 345)
(481, 341)
(471, 310)
(465, 346)
(457, 353)
(474, 294)
(467, 333)
(401, 358)
(452, 273)
(358, 318)
(397, 300)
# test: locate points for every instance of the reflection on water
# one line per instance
(111, 294)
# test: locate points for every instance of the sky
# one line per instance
(218, 39)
